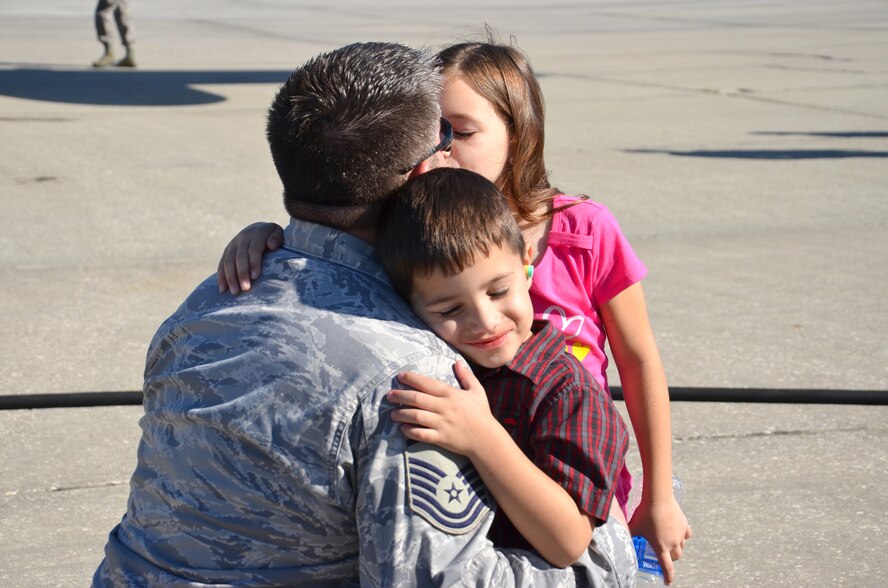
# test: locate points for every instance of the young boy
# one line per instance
(545, 438)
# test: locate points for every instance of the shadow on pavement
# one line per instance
(785, 154)
(121, 87)
(829, 134)
(778, 154)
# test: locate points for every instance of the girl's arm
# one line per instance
(658, 518)
(460, 421)
(241, 261)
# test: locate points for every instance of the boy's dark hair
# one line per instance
(343, 124)
(440, 220)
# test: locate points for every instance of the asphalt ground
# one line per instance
(742, 145)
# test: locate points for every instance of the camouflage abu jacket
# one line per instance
(267, 457)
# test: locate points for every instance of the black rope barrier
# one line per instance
(69, 400)
(676, 394)
(772, 395)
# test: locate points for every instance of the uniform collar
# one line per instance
(334, 245)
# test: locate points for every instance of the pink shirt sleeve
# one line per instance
(615, 266)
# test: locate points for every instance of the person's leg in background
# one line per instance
(118, 11)
(103, 15)
(127, 34)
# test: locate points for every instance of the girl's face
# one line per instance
(480, 137)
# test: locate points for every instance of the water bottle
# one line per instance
(649, 571)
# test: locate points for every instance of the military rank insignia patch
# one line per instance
(444, 489)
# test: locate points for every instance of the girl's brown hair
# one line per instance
(503, 76)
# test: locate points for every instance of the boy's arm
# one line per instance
(460, 421)
(541, 510)
(401, 547)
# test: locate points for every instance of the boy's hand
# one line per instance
(437, 413)
(666, 528)
(242, 259)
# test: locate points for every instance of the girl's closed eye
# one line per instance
(499, 293)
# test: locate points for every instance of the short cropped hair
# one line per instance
(345, 123)
(441, 220)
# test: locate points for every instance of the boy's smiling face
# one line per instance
(483, 311)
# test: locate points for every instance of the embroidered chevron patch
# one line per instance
(444, 489)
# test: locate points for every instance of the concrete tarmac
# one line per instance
(741, 145)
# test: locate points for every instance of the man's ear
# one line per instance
(421, 168)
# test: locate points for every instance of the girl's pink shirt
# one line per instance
(587, 262)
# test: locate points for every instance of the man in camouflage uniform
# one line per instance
(267, 456)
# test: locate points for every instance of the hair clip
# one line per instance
(528, 270)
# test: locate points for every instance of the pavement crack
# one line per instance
(94, 486)
(48, 119)
(774, 433)
(66, 488)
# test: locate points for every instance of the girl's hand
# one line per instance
(666, 528)
(437, 413)
(242, 259)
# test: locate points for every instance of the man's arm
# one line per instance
(423, 516)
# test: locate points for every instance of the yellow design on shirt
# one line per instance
(577, 350)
